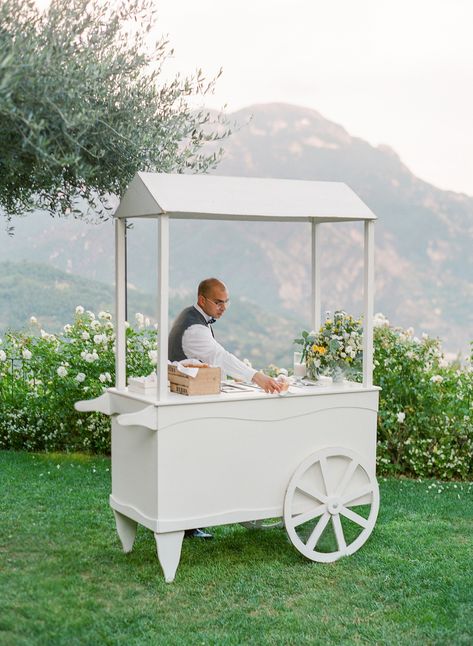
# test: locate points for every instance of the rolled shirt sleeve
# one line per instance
(198, 343)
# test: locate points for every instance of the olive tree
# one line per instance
(83, 105)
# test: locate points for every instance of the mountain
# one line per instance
(51, 295)
(424, 236)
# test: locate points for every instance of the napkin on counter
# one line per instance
(186, 370)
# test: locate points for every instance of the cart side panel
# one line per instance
(217, 467)
(134, 473)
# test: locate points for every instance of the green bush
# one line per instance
(425, 423)
(42, 376)
(425, 426)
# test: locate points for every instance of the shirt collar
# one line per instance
(206, 316)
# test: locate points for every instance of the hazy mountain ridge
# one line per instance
(51, 295)
(424, 235)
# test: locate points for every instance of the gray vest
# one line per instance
(189, 316)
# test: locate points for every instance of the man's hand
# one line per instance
(268, 384)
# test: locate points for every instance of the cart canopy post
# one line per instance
(163, 307)
(315, 277)
(368, 294)
(120, 300)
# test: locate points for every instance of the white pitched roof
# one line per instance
(240, 198)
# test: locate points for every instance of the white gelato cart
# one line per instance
(181, 462)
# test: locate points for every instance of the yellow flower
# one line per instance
(319, 349)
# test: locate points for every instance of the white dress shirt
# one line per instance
(198, 343)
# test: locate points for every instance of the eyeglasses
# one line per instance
(219, 303)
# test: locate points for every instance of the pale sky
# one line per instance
(398, 72)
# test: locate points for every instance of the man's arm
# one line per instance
(198, 343)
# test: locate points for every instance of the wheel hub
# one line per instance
(334, 504)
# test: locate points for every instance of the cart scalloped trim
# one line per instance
(170, 525)
(264, 420)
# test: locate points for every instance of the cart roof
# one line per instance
(216, 197)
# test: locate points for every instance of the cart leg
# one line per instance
(126, 529)
(169, 552)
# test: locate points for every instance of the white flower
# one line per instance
(95, 325)
(90, 357)
(79, 309)
(109, 325)
(401, 417)
(443, 363)
(85, 336)
(90, 314)
(103, 377)
(3, 356)
(109, 376)
(153, 355)
(61, 371)
(26, 354)
(105, 316)
(380, 320)
(33, 320)
(436, 379)
(147, 321)
(83, 354)
(67, 328)
(349, 349)
(410, 331)
(80, 377)
(140, 319)
(425, 335)
(100, 338)
(416, 340)
(127, 325)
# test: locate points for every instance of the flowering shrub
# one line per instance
(425, 423)
(43, 375)
(337, 346)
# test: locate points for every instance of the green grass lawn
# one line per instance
(65, 580)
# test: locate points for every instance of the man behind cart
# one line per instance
(192, 337)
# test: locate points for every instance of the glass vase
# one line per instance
(338, 374)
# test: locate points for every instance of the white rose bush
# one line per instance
(425, 423)
(42, 375)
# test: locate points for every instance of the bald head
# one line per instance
(208, 285)
(212, 297)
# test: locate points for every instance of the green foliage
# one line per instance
(83, 106)
(425, 424)
(41, 377)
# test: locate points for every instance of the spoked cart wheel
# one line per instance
(318, 507)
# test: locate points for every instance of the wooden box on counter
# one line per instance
(206, 382)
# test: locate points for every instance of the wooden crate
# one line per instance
(206, 382)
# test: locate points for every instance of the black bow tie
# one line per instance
(211, 320)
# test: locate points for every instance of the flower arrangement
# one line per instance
(336, 349)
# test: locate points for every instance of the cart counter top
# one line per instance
(175, 399)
